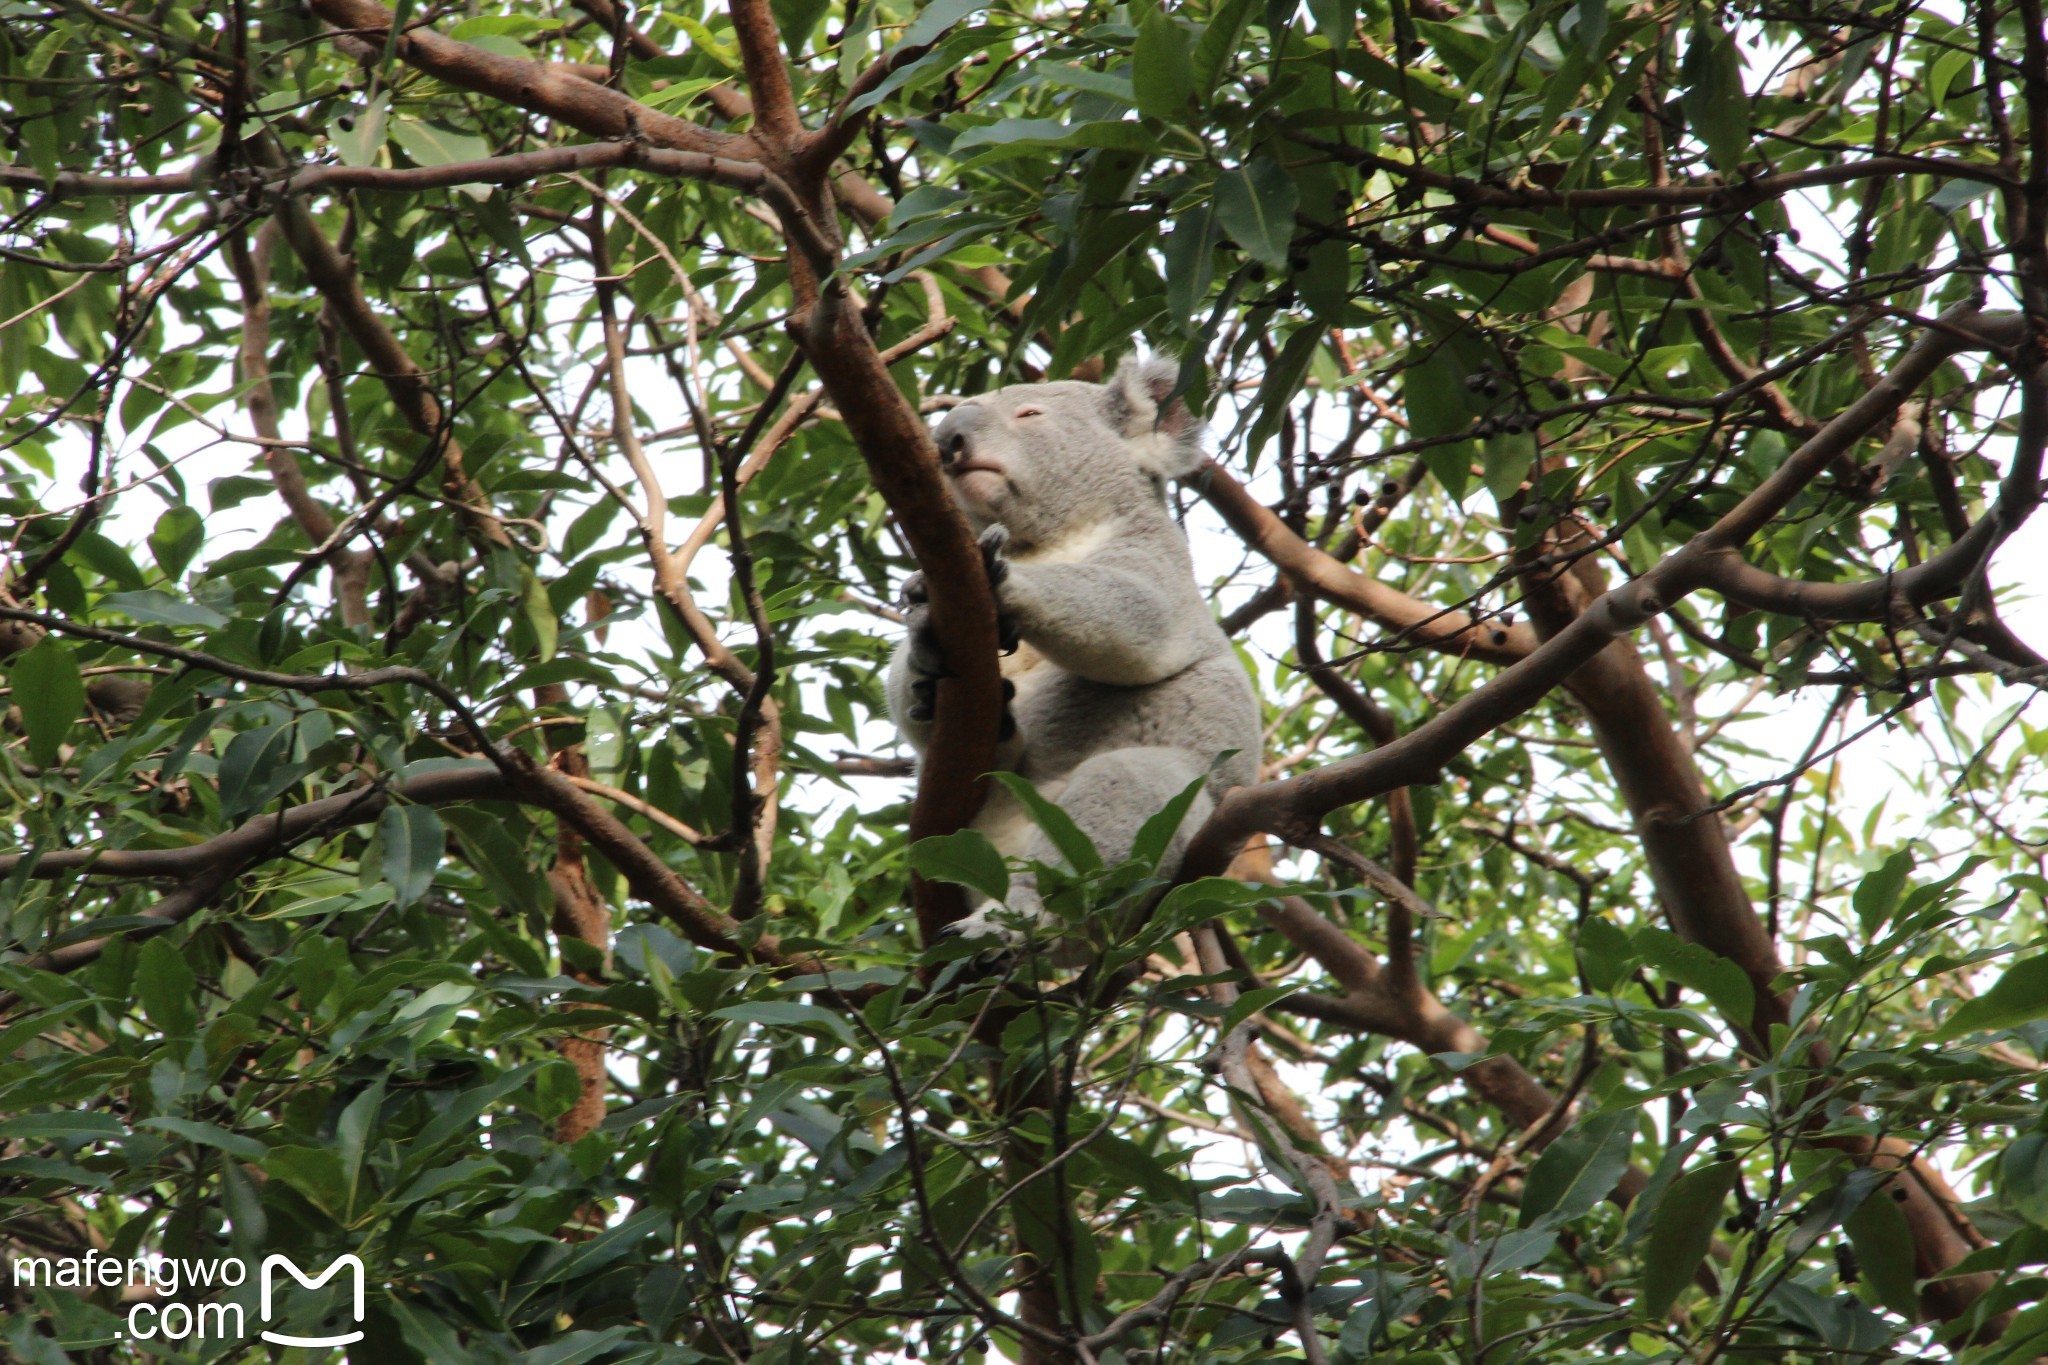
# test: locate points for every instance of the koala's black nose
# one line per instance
(955, 436)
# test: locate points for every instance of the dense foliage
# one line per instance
(439, 832)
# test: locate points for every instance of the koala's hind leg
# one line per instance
(1113, 794)
(1110, 797)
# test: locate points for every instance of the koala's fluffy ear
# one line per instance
(1166, 444)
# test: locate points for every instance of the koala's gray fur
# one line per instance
(1123, 687)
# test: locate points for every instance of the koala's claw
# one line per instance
(994, 541)
(924, 697)
(927, 655)
(915, 593)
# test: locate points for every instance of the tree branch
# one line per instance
(1451, 631)
(530, 85)
(1294, 805)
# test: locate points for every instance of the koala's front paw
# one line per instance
(995, 544)
(979, 927)
(924, 700)
(1003, 925)
(927, 656)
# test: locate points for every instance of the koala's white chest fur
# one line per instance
(1029, 672)
(1071, 548)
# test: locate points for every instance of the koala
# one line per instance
(1121, 689)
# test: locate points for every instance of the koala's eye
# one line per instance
(1029, 412)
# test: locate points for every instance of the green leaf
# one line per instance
(1074, 846)
(589, 526)
(1218, 43)
(108, 560)
(1438, 400)
(1955, 194)
(540, 612)
(2023, 1175)
(430, 144)
(965, 858)
(556, 1088)
(1162, 68)
(179, 534)
(254, 768)
(1606, 953)
(208, 1135)
(1249, 1003)
(1681, 1231)
(1197, 902)
(1715, 102)
(1702, 969)
(1190, 252)
(1283, 379)
(681, 92)
(414, 840)
(1325, 281)
(789, 1014)
(315, 1172)
(166, 988)
(160, 609)
(1022, 136)
(489, 847)
(1579, 1169)
(1943, 74)
(51, 694)
(1591, 28)
(1155, 836)
(942, 55)
(1508, 458)
(502, 25)
(934, 19)
(1255, 204)
(1877, 895)
(462, 1112)
(363, 138)
(704, 41)
(2019, 997)
(1883, 1241)
(62, 1126)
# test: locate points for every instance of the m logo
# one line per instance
(350, 1263)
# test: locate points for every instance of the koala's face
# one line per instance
(1047, 460)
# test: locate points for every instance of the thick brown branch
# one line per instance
(530, 85)
(263, 835)
(205, 869)
(1312, 571)
(351, 568)
(79, 185)
(516, 168)
(1895, 596)
(904, 465)
(760, 41)
(334, 275)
